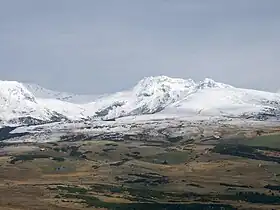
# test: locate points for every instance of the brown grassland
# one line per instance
(241, 173)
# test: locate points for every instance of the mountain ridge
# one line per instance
(151, 95)
(41, 92)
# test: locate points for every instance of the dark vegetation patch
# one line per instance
(69, 189)
(27, 157)
(58, 159)
(188, 141)
(153, 196)
(91, 201)
(56, 149)
(73, 189)
(118, 163)
(134, 155)
(111, 144)
(59, 149)
(266, 142)
(235, 185)
(5, 133)
(74, 152)
(244, 151)
(75, 137)
(273, 187)
(195, 185)
(144, 198)
(175, 139)
(251, 197)
(108, 149)
(63, 149)
(141, 194)
(147, 179)
(172, 157)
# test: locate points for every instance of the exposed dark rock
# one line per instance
(5, 133)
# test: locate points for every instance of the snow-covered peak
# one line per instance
(40, 92)
(16, 102)
(160, 85)
(210, 83)
(150, 95)
(13, 92)
(163, 84)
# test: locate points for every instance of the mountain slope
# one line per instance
(149, 96)
(178, 96)
(17, 105)
(40, 92)
(164, 95)
(227, 101)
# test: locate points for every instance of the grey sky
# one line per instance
(97, 46)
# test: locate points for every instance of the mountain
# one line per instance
(167, 95)
(40, 92)
(227, 102)
(27, 104)
(18, 105)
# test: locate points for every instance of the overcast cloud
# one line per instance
(108, 45)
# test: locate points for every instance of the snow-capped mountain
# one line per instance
(151, 95)
(167, 95)
(227, 101)
(18, 105)
(40, 92)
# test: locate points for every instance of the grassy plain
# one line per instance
(228, 174)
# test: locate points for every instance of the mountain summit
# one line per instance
(151, 95)
(19, 104)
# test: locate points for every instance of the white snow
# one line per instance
(40, 92)
(152, 125)
(16, 101)
(162, 95)
(219, 101)
(70, 110)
